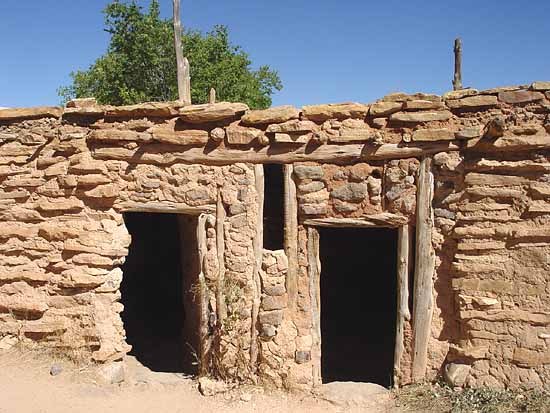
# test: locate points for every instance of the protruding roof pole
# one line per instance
(212, 96)
(184, 78)
(457, 81)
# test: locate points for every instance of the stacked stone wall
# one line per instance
(68, 175)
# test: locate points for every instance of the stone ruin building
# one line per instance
(390, 242)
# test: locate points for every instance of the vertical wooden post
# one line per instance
(403, 313)
(314, 274)
(212, 96)
(220, 247)
(183, 73)
(204, 344)
(291, 235)
(257, 246)
(423, 271)
(457, 81)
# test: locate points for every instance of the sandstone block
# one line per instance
(92, 260)
(530, 358)
(540, 86)
(427, 135)
(380, 109)
(223, 111)
(278, 114)
(404, 97)
(421, 117)
(469, 133)
(473, 102)
(352, 192)
(379, 123)
(180, 137)
(92, 180)
(297, 138)
(153, 109)
(520, 96)
(497, 90)
(354, 135)
(423, 105)
(87, 166)
(321, 113)
(67, 205)
(56, 232)
(268, 331)
(456, 374)
(217, 134)
(102, 192)
(274, 302)
(310, 187)
(274, 317)
(293, 126)
(274, 290)
(17, 230)
(480, 179)
(31, 113)
(116, 135)
(112, 373)
(312, 209)
(459, 94)
(238, 135)
(308, 172)
(23, 193)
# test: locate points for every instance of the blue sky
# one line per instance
(324, 50)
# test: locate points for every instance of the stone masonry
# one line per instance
(68, 174)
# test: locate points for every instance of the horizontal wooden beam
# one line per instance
(384, 219)
(164, 154)
(164, 207)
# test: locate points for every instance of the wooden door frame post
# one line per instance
(404, 247)
(423, 272)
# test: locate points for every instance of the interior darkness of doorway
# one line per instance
(273, 206)
(358, 304)
(152, 292)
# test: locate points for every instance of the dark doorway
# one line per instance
(358, 304)
(274, 206)
(160, 310)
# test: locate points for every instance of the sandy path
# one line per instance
(26, 386)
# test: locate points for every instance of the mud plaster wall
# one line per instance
(66, 176)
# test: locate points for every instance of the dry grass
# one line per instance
(439, 398)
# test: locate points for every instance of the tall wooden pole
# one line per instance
(457, 81)
(184, 79)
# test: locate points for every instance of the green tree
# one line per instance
(140, 63)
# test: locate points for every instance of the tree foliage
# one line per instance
(140, 63)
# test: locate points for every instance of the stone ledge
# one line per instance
(37, 112)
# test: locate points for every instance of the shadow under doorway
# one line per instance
(161, 312)
(358, 289)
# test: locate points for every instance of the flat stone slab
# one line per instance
(350, 394)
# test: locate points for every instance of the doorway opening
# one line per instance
(358, 304)
(274, 206)
(161, 312)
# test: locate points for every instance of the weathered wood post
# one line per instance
(291, 235)
(403, 313)
(257, 246)
(212, 96)
(184, 78)
(423, 271)
(457, 81)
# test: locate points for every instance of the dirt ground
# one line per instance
(26, 385)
